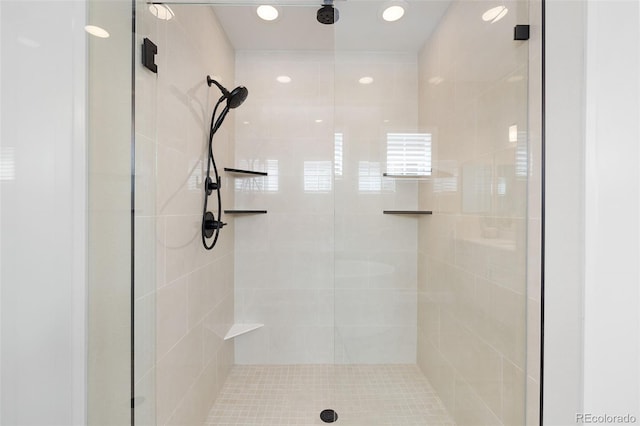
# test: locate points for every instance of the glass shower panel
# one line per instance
(147, 227)
(261, 302)
(430, 212)
(376, 266)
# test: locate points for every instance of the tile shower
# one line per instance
(350, 298)
(332, 277)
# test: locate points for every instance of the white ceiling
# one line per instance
(359, 27)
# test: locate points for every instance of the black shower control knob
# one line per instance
(213, 224)
(210, 185)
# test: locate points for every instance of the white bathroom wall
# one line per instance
(612, 210)
(330, 276)
(564, 211)
(43, 213)
(591, 272)
(184, 293)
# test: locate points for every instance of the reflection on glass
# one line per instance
(263, 183)
(196, 179)
(522, 155)
(317, 176)
(501, 186)
(337, 154)
(370, 178)
(513, 133)
(477, 187)
(505, 189)
(409, 153)
(7, 163)
(447, 179)
(28, 42)
(495, 14)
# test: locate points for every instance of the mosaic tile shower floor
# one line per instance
(362, 395)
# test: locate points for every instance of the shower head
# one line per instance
(327, 14)
(235, 98)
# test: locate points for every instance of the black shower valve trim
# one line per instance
(210, 185)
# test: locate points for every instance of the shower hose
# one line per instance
(211, 224)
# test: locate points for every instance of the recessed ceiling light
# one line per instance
(283, 79)
(96, 31)
(245, 122)
(393, 13)
(366, 80)
(267, 12)
(161, 11)
(495, 14)
(318, 121)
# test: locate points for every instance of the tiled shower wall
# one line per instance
(184, 294)
(472, 330)
(330, 276)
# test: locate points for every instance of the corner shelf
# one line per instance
(407, 212)
(240, 329)
(245, 212)
(245, 172)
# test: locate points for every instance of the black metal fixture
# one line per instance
(212, 224)
(521, 32)
(328, 14)
(149, 51)
(328, 416)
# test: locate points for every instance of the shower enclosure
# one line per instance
(377, 184)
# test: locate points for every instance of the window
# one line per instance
(409, 154)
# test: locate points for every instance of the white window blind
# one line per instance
(409, 154)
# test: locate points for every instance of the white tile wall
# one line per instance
(325, 226)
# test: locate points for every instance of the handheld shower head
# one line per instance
(211, 224)
(235, 98)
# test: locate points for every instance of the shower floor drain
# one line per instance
(328, 416)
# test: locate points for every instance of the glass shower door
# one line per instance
(431, 213)
(148, 229)
(380, 263)
(271, 273)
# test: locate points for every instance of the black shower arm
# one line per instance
(224, 91)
